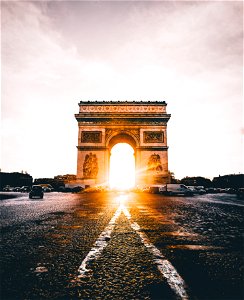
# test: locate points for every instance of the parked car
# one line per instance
(36, 191)
(211, 190)
(199, 190)
(240, 193)
(230, 191)
(146, 189)
(221, 190)
(25, 189)
(154, 189)
(176, 189)
(78, 189)
(7, 188)
(17, 189)
(46, 189)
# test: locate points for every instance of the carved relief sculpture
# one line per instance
(108, 133)
(154, 163)
(153, 137)
(91, 136)
(90, 166)
(135, 132)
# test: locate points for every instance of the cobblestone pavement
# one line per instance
(122, 246)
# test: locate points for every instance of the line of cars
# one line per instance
(34, 190)
(181, 189)
(171, 190)
(23, 189)
(26, 189)
(38, 190)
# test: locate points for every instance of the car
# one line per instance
(36, 191)
(240, 193)
(172, 189)
(230, 191)
(211, 190)
(46, 189)
(200, 190)
(6, 188)
(146, 189)
(154, 189)
(78, 189)
(25, 189)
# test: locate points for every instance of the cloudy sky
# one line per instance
(56, 53)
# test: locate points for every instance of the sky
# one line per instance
(187, 53)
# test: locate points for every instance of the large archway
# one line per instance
(142, 125)
(122, 167)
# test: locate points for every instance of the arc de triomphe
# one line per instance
(102, 124)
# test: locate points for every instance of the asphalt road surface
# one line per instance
(122, 246)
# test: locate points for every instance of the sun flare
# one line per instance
(122, 167)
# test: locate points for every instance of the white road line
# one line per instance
(174, 280)
(99, 245)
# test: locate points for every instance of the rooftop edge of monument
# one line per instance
(121, 102)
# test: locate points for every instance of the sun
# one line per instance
(122, 167)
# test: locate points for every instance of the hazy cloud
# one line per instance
(187, 53)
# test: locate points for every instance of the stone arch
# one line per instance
(121, 137)
(122, 163)
(103, 124)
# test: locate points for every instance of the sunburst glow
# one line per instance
(122, 167)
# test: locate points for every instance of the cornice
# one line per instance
(125, 116)
(103, 148)
(91, 148)
(128, 121)
(121, 102)
(153, 148)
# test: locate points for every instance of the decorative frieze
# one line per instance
(123, 121)
(122, 108)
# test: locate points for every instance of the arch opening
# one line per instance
(122, 167)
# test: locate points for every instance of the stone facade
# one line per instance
(103, 124)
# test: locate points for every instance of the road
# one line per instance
(122, 246)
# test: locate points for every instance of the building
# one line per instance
(103, 124)
(15, 179)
